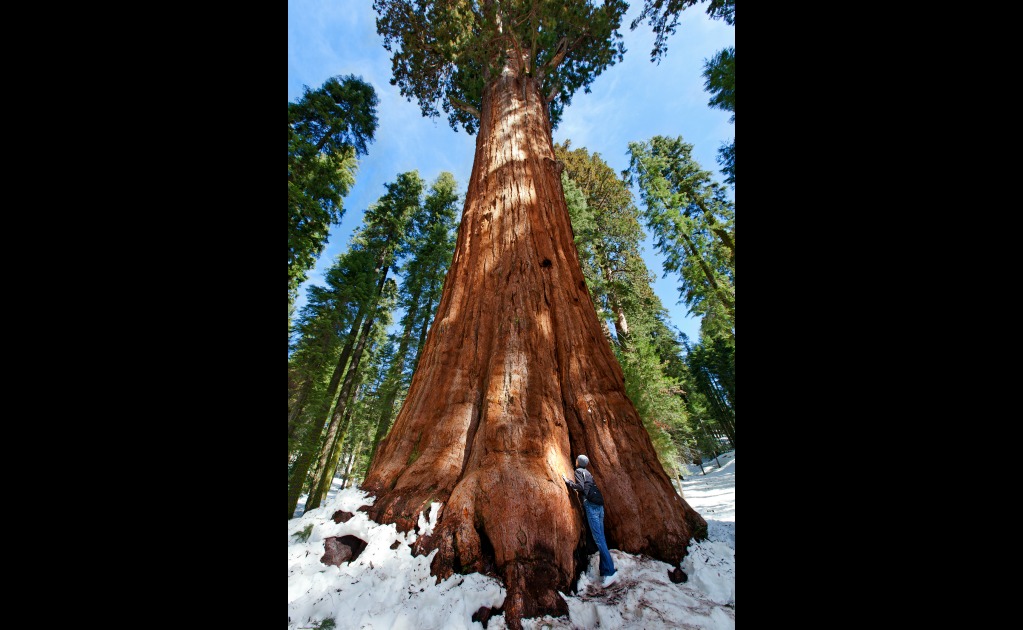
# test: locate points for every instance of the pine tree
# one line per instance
(348, 412)
(383, 232)
(319, 337)
(613, 243)
(328, 129)
(719, 72)
(711, 365)
(692, 221)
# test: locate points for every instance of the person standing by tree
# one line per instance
(593, 503)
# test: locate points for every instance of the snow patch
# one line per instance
(384, 588)
(387, 588)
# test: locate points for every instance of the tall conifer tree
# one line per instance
(328, 129)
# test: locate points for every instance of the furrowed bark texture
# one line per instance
(515, 379)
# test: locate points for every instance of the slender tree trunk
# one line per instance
(298, 478)
(715, 227)
(606, 330)
(319, 415)
(621, 323)
(303, 394)
(355, 458)
(353, 452)
(716, 398)
(292, 385)
(516, 379)
(339, 413)
(393, 376)
(427, 319)
(339, 369)
(722, 393)
(713, 442)
(297, 407)
(383, 422)
(704, 380)
(326, 477)
(297, 481)
(331, 445)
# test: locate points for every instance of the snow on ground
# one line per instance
(389, 589)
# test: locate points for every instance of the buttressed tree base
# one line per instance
(515, 379)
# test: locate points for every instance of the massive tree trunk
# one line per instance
(515, 379)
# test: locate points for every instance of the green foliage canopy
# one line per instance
(719, 75)
(446, 51)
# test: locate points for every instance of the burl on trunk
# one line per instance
(515, 379)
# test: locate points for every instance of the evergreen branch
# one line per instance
(465, 107)
(716, 227)
(553, 93)
(559, 55)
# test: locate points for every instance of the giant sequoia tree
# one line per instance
(515, 377)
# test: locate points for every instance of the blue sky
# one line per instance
(631, 101)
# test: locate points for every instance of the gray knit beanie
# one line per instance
(582, 461)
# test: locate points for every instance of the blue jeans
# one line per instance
(595, 516)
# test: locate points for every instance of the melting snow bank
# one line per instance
(386, 587)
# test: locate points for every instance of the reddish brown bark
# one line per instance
(515, 379)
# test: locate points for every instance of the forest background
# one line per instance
(653, 287)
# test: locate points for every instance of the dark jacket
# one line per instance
(582, 483)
